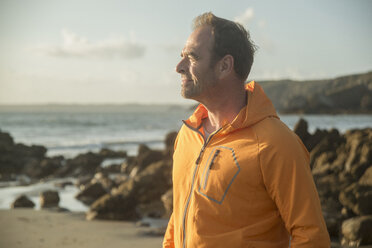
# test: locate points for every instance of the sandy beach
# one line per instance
(29, 228)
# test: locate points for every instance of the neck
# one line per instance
(223, 105)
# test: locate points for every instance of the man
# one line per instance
(241, 178)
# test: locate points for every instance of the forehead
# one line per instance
(201, 39)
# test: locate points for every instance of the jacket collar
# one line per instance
(258, 107)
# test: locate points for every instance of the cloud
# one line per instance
(77, 46)
(246, 17)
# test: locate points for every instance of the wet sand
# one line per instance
(29, 228)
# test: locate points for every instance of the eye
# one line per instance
(192, 58)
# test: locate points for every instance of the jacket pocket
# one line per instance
(219, 173)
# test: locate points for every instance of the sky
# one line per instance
(113, 52)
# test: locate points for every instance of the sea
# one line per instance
(69, 130)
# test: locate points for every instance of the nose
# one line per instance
(181, 66)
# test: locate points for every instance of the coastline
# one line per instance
(46, 228)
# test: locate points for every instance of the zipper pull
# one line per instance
(200, 154)
(214, 158)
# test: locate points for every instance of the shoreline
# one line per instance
(46, 228)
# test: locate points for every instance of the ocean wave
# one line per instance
(105, 144)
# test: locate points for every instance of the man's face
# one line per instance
(197, 73)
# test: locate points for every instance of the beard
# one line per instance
(194, 88)
(191, 89)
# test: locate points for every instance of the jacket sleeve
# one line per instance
(168, 241)
(287, 177)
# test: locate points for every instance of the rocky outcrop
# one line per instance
(14, 157)
(128, 201)
(83, 164)
(347, 94)
(49, 199)
(342, 170)
(169, 144)
(357, 231)
(167, 199)
(22, 202)
(357, 198)
(91, 193)
(44, 168)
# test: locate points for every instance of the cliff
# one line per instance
(347, 94)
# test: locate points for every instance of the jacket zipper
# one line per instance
(193, 177)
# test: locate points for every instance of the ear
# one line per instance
(226, 66)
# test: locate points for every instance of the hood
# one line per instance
(258, 108)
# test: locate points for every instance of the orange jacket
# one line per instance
(248, 185)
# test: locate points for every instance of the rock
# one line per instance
(113, 207)
(6, 139)
(358, 198)
(49, 199)
(169, 144)
(315, 139)
(301, 130)
(13, 157)
(359, 149)
(91, 193)
(22, 202)
(107, 153)
(333, 221)
(357, 231)
(128, 165)
(82, 165)
(146, 156)
(104, 180)
(347, 94)
(167, 200)
(82, 181)
(329, 144)
(44, 168)
(125, 202)
(366, 179)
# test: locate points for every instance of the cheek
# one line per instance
(194, 71)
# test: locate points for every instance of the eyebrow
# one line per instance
(191, 53)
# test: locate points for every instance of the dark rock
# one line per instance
(145, 188)
(22, 202)
(91, 193)
(333, 221)
(104, 180)
(83, 164)
(13, 157)
(113, 207)
(44, 168)
(128, 165)
(366, 179)
(49, 199)
(301, 130)
(359, 150)
(146, 156)
(6, 139)
(357, 231)
(358, 198)
(169, 143)
(82, 181)
(315, 139)
(142, 149)
(107, 153)
(329, 144)
(167, 199)
(347, 94)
